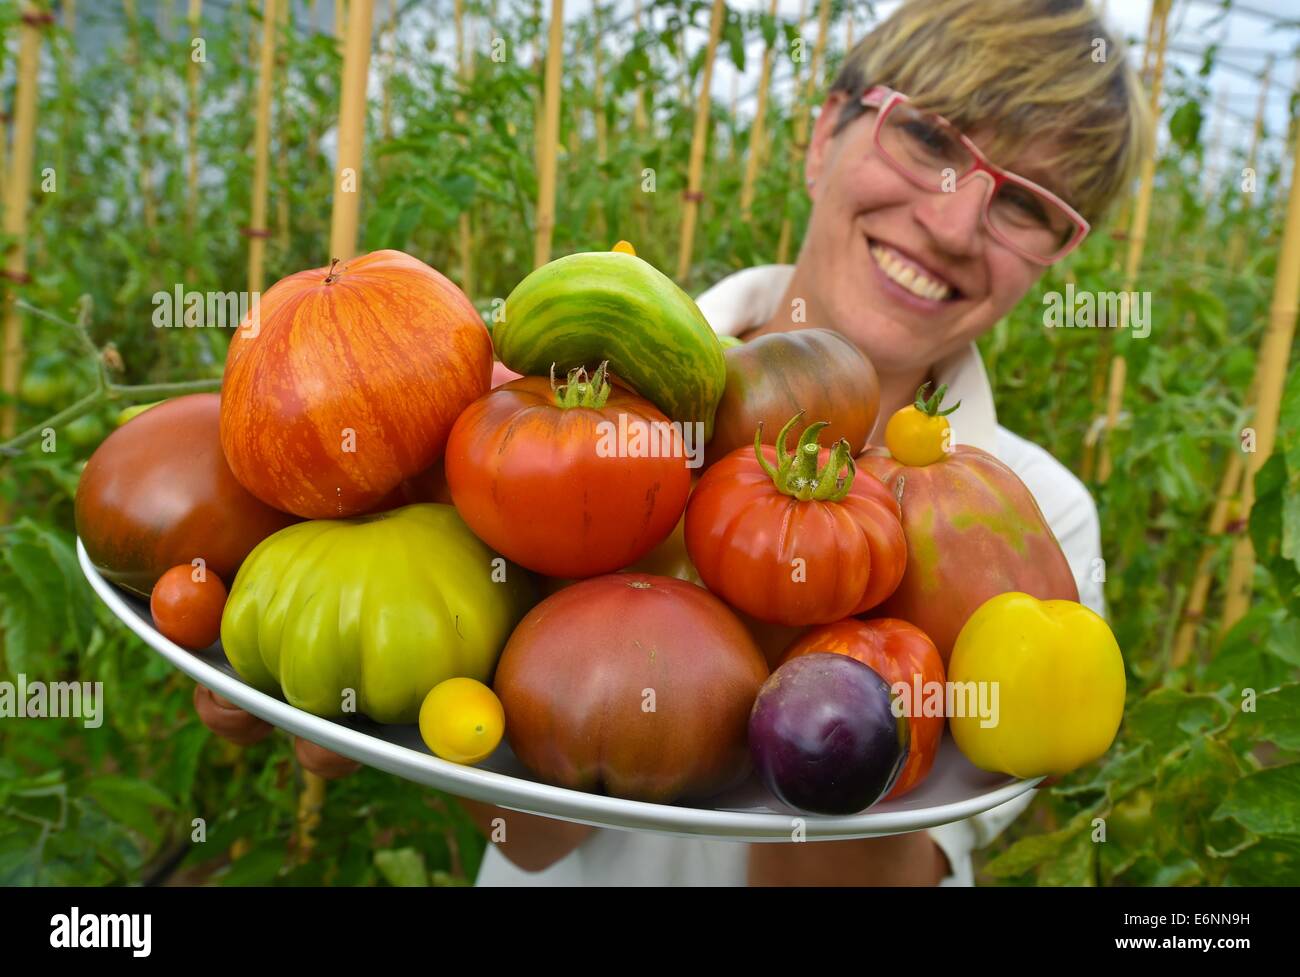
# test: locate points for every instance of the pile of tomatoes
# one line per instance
(411, 531)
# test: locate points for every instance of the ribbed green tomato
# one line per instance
(374, 611)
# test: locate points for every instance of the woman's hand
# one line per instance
(530, 841)
(908, 859)
(242, 728)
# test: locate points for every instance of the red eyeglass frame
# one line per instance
(884, 99)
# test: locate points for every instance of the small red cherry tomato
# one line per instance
(186, 605)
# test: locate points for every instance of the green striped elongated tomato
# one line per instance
(368, 614)
(588, 308)
(571, 481)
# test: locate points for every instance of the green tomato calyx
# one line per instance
(931, 407)
(579, 391)
(797, 474)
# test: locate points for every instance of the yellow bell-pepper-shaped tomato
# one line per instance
(368, 614)
(1054, 673)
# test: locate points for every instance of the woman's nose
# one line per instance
(953, 217)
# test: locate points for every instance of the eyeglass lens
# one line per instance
(932, 151)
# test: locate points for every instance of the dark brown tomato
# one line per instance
(773, 377)
(158, 493)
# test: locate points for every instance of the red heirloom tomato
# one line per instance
(974, 530)
(570, 480)
(903, 654)
(790, 540)
(349, 383)
(186, 606)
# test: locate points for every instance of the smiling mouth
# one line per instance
(907, 274)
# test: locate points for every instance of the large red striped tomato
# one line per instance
(348, 383)
(795, 539)
(901, 654)
(571, 482)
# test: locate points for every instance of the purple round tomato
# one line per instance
(824, 737)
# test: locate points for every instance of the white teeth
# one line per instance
(908, 277)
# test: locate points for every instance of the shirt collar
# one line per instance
(750, 297)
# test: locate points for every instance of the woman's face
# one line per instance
(909, 275)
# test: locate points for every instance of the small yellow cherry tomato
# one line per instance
(920, 434)
(462, 720)
(624, 247)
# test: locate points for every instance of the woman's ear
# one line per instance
(823, 135)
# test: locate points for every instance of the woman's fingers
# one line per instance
(324, 763)
(242, 728)
(227, 720)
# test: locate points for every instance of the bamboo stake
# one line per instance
(1271, 367)
(641, 205)
(352, 130)
(1153, 26)
(1124, 217)
(194, 17)
(550, 138)
(4, 127)
(538, 122)
(282, 216)
(683, 69)
(1238, 240)
(141, 116)
(638, 104)
(256, 230)
(598, 99)
(1198, 595)
(756, 133)
(390, 32)
(1136, 243)
(802, 113)
(340, 22)
(252, 35)
(598, 93)
(465, 233)
(343, 245)
(698, 139)
(17, 190)
(1279, 204)
(733, 120)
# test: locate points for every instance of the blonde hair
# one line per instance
(1025, 70)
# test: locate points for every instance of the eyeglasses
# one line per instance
(933, 154)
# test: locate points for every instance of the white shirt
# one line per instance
(615, 857)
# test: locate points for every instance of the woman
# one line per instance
(965, 146)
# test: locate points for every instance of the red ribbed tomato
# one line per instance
(350, 383)
(795, 539)
(900, 653)
(573, 481)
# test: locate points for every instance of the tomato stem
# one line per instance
(579, 391)
(798, 474)
(931, 407)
